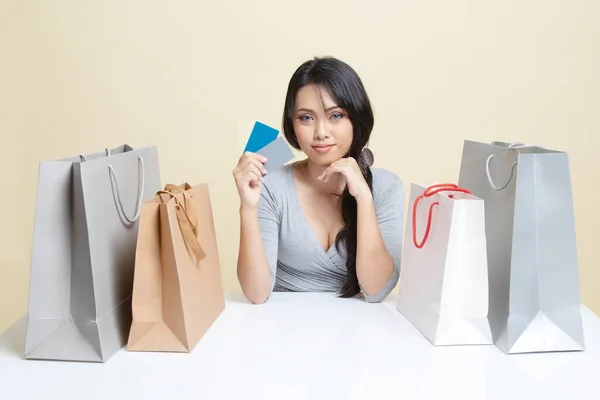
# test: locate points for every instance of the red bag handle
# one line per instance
(430, 191)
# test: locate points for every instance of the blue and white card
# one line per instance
(260, 136)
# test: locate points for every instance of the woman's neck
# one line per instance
(312, 170)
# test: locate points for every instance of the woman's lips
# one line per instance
(323, 148)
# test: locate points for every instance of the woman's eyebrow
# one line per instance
(311, 111)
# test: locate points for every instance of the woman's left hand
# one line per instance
(353, 177)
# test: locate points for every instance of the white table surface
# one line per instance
(309, 346)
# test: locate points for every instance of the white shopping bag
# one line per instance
(443, 280)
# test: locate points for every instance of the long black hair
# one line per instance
(347, 90)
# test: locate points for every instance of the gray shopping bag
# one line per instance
(84, 242)
(532, 254)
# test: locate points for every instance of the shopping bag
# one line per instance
(443, 281)
(532, 254)
(85, 232)
(177, 290)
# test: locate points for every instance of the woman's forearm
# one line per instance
(374, 265)
(252, 268)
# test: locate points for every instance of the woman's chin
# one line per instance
(324, 161)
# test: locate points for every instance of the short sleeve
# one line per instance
(389, 209)
(269, 221)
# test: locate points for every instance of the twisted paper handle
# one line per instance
(430, 191)
(187, 219)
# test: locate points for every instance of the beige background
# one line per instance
(79, 76)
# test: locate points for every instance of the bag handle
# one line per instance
(141, 183)
(177, 188)
(83, 159)
(430, 191)
(511, 146)
(187, 219)
(117, 195)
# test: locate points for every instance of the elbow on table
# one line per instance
(256, 298)
(256, 289)
(384, 292)
(376, 298)
(256, 295)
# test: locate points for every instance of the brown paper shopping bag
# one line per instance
(177, 288)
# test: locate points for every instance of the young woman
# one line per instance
(329, 222)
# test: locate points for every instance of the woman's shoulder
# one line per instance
(276, 185)
(279, 179)
(385, 181)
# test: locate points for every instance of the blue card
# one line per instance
(278, 153)
(260, 136)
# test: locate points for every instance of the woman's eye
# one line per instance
(305, 118)
(337, 116)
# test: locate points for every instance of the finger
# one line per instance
(251, 160)
(325, 174)
(342, 185)
(250, 168)
(256, 156)
(257, 171)
(256, 179)
(332, 169)
(253, 174)
(250, 179)
(258, 164)
(241, 171)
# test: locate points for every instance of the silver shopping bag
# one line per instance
(84, 241)
(532, 254)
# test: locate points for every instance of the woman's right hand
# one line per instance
(248, 175)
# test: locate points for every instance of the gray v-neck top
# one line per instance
(297, 261)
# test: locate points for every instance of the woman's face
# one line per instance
(323, 129)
